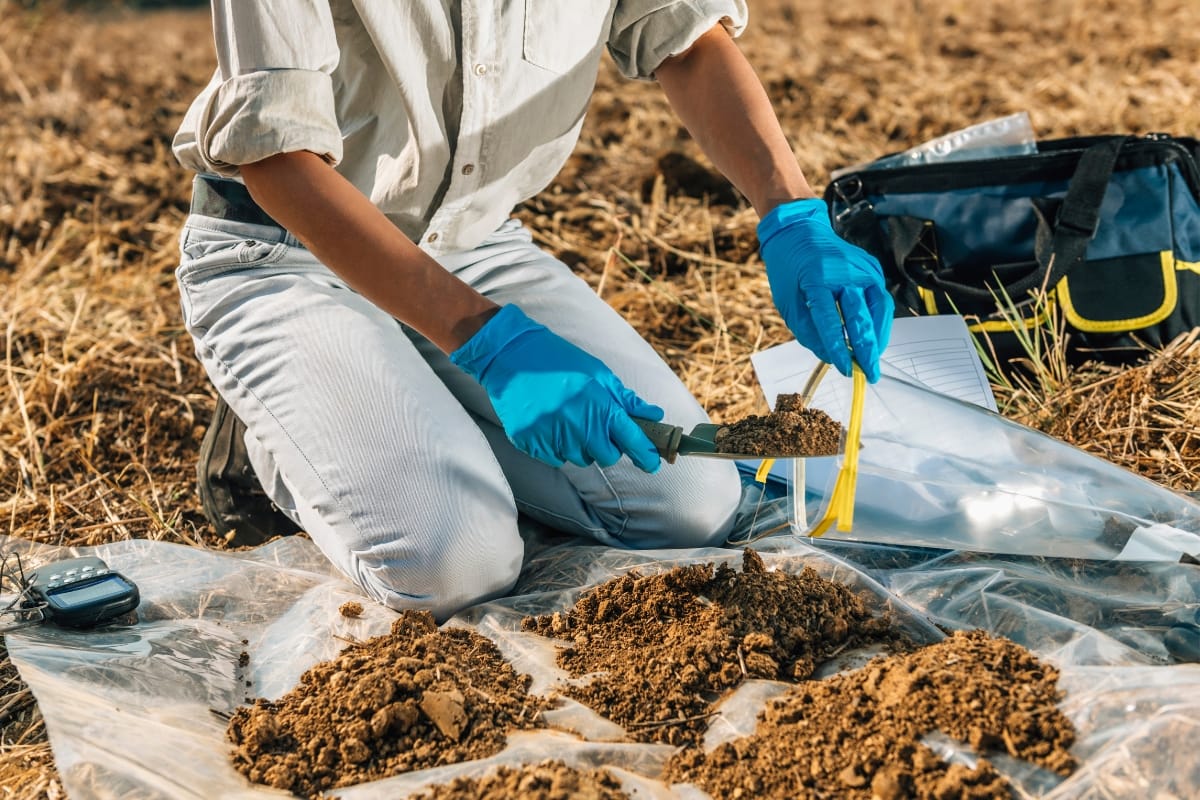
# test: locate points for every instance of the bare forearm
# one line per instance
(716, 94)
(353, 238)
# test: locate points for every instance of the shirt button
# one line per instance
(481, 69)
(433, 237)
(468, 169)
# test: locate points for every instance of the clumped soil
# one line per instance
(548, 780)
(856, 735)
(666, 647)
(418, 697)
(790, 430)
(661, 651)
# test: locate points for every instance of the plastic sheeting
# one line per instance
(129, 711)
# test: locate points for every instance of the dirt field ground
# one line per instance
(103, 405)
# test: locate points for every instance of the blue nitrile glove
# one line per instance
(556, 402)
(814, 274)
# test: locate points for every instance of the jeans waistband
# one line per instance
(229, 200)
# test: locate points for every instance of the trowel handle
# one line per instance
(665, 437)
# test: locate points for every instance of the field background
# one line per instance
(103, 405)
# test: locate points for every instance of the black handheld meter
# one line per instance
(81, 592)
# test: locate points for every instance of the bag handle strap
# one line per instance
(1063, 233)
(1078, 217)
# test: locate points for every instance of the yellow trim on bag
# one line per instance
(991, 326)
(1170, 298)
(930, 301)
(1189, 266)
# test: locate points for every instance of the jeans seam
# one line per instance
(568, 523)
(590, 530)
(616, 496)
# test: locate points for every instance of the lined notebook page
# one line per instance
(937, 351)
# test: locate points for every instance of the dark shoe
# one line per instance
(230, 494)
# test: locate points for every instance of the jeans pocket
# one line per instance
(206, 252)
(206, 257)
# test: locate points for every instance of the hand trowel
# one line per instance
(671, 442)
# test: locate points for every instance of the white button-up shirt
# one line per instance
(446, 113)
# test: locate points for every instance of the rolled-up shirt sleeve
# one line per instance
(272, 92)
(645, 33)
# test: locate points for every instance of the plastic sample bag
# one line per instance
(1011, 135)
(937, 472)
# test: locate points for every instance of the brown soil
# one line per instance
(351, 609)
(789, 430)
(668, 646)
(664, 649)
(418, 697)
(856, 735)
(549, 780)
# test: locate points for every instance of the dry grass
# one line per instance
(102, 402)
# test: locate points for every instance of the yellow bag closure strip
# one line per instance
(841, 502)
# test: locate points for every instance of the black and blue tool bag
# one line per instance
(1100, 234)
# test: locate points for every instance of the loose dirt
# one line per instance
(418, 697)
(549, 780)
(662, 650)
(790, 430)
(857, 734)
(666, 647)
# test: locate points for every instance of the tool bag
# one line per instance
(1100, 234)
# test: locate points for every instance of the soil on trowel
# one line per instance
(790, 430)
(857, 734)
(666, 647)
(418, 697)
(549, 780)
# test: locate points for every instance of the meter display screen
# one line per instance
(108, 588)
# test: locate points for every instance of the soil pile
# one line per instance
(549, 780)
(789, 430)
(856, 735)
(667, 646)
(418, 697)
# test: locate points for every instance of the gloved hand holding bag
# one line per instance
(830, 293)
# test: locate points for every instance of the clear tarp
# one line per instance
(130, 711)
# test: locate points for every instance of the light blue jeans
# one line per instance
(388, 455)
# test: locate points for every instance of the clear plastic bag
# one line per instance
(1010, 135)
(937, 472)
